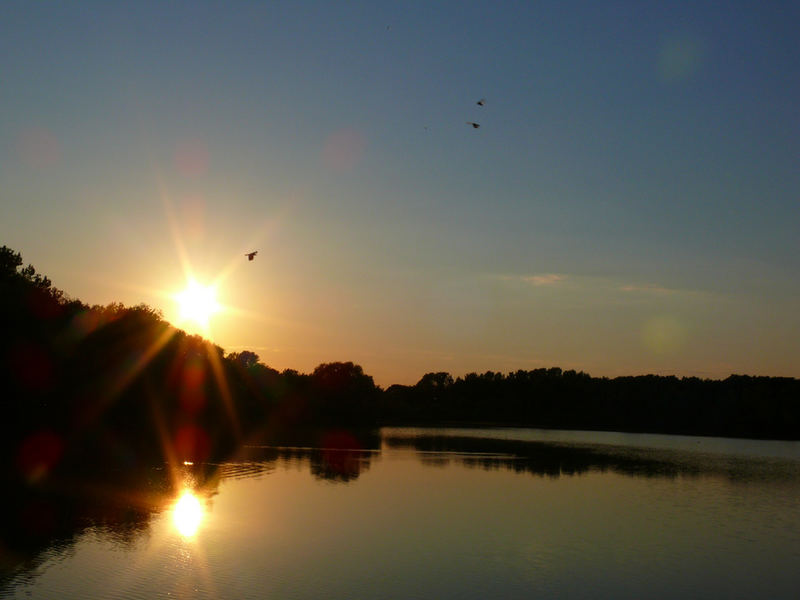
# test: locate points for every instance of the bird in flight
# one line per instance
(481, 102)
(474, 125)
(251, 255)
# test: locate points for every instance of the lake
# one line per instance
(430, 513)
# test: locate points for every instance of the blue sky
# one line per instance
(629, 203)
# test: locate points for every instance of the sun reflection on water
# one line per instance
(187, 514)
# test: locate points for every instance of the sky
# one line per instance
(629, 204)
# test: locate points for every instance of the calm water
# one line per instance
(437, 513)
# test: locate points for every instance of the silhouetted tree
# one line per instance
(246, 359)
(9, 262)
(342, 392)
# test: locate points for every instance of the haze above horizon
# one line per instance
(629, 203)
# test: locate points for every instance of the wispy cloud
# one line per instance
(545, 279)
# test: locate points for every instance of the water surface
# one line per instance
(442, 513)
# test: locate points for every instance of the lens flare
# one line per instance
(664, 334)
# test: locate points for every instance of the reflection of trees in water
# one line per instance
(46, 520)
(549, 459)
(538, 458)
(331, 454)
(39, 523)
(331, 464)
(338, 464)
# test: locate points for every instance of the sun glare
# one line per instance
(187, 514)
(197, 303)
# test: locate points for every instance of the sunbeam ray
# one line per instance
(222, 386)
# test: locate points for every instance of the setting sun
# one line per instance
(197, 303)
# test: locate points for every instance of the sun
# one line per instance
(197, 303)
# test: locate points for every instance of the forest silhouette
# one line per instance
(119, 387)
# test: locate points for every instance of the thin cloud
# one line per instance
(546, 279)
(540, 279)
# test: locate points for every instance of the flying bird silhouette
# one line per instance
(481, 102)
(251, 255)
(474, 125)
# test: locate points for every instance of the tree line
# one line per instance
(738, 406)
(120, 387)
